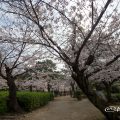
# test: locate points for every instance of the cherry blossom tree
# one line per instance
(46, 69)
(15, 60)
(84, 34)
(107, 77)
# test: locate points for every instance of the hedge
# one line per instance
(32, 100)
(27, 100)
(3, 102)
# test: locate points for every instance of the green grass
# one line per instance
(27, 100)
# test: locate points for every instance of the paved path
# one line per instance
(66, 108)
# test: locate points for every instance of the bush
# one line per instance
(115, 89)
(3, 102)
(78, 95)
(32, 100)
(116, 97)
(27, 100)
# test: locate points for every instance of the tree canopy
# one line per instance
(83, 33)
(45, 66)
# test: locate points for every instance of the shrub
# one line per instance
(116, 97)
(78, 95)
(115, 89)
(32, 100)
(3, 104)
(27, 100)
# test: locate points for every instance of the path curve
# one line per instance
(66, 108)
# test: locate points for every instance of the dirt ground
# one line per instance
(63, 108)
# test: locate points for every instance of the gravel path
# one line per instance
(65, 108)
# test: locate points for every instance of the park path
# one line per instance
(65, 108)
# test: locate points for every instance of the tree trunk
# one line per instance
(13, 105)
(48, 87)
(30, 87)
(100, 102)
(72, 89)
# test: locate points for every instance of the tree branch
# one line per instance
(113, 60)
(93, 28)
